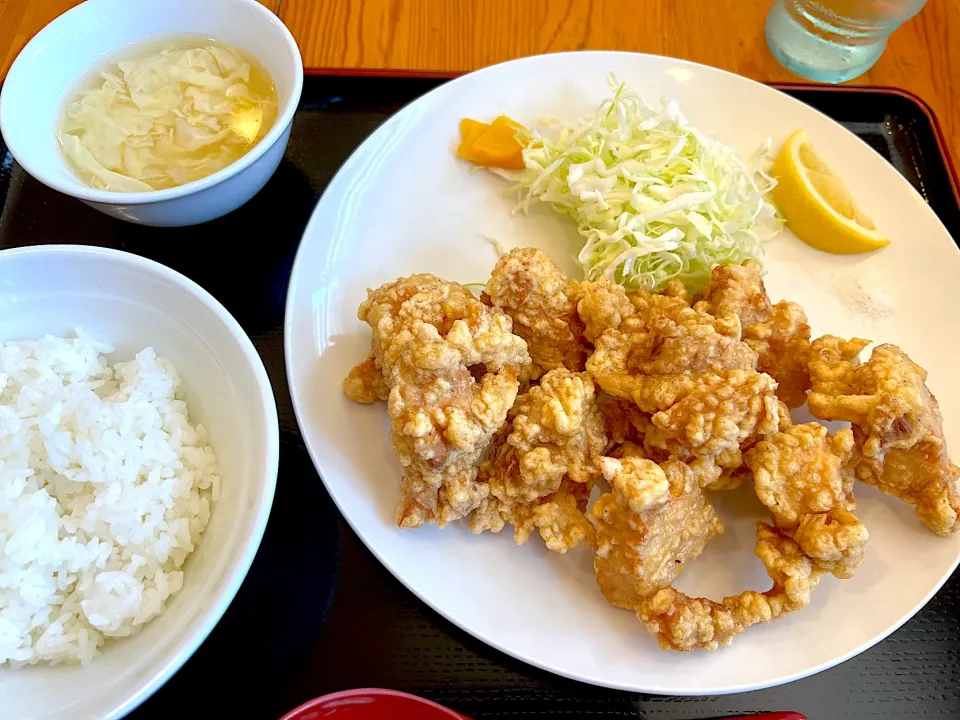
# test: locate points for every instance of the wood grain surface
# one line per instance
(20, 20)
(923, 56)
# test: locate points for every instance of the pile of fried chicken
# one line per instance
(510, 407)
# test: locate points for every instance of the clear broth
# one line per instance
(171, 157)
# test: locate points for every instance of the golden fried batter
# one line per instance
(782, 342)
(559, 518)
(632, 433)
(694, 378)
(778, 333)
(728, 470)
(649, 527)
(451, 365)
(680, 622)
(542, 300)
(394, 307)
(805, 478)
(896, 423)
(603, 306)
(544, 462)
(423, 298)
(663, 357)
(719, 413)
(623, 421)
(833, 362)
(802, 471)
(629, 427)
(654, 522)
(365, 383)
(736, 290)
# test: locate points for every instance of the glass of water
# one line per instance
(834, 40)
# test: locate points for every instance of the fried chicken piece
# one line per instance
(559, 518)
(621, 420)
(896, 424)
(649, 527)
(801, 471)
(398, 306)
(422, 298)
(729, 471)
(715, 476)
(680, 622)
(833, 362)
(604, 306)
(544, 462)
(365, 383)
(394, 307)
(542, 300)
(718, 414)
(631, 433)
(694, 378)
(693, 381)
(625, 423)
(782, 342)
(805, 478)
(664, 354)
(736, 290)
(676, 290)
(451, 365)
(442, 421)
(778, 333)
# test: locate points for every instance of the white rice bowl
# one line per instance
(105, 490)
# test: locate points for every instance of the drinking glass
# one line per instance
(834, 40)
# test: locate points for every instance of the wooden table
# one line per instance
(461, 35)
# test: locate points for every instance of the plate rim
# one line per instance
(293, 288)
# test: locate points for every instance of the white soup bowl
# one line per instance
(44, 74)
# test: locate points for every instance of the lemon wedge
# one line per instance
(817, 205)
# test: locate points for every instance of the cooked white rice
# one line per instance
(105, 489)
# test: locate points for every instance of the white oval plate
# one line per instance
(404, 204)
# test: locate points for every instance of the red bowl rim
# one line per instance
(345, 694)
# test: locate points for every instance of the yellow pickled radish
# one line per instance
(493, 145)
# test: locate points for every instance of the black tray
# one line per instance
(317, 613)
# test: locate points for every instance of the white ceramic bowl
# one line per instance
(132, 302)
(42, 76)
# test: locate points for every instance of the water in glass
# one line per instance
(834, 40)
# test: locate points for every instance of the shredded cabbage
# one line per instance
(654, 198)
(167, 116)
